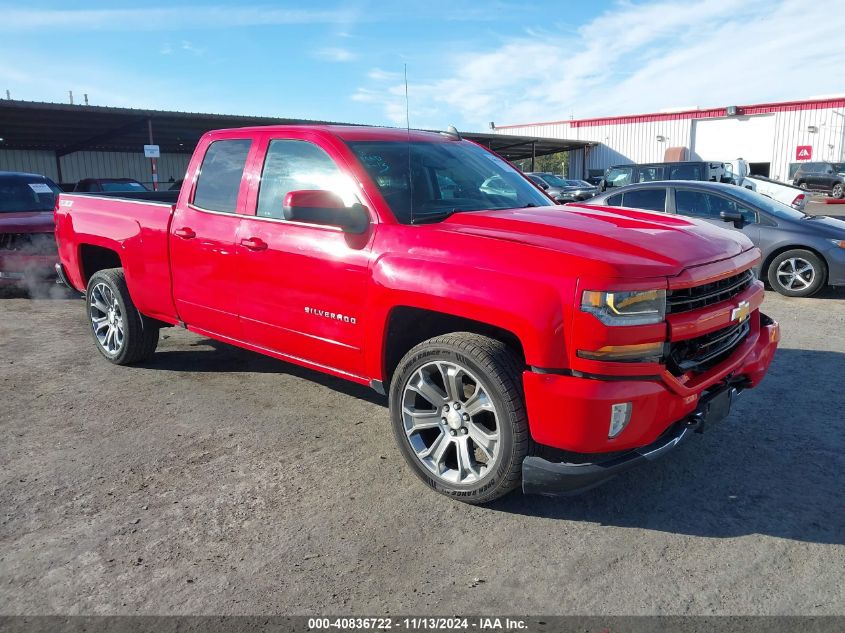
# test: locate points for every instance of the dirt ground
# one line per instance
(216, 481)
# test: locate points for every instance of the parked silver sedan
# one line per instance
(801, 253)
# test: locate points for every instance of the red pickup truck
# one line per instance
(517, 341)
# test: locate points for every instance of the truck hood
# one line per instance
(632, 243)
(27, 222)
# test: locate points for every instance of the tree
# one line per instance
(554, 163)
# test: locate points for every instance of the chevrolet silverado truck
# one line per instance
(517, 342)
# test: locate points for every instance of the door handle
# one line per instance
(254, 244)
(185, 233)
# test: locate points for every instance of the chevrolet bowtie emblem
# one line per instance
(741, 312)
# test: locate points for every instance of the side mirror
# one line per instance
(733, 216)
(325, 208)
(602, 184)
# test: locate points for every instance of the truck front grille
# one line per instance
(708, 294)
(701, 353)
(29, 243)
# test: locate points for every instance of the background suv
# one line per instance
(827, 177)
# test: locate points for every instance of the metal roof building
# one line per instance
(70, 142)
(774, 137)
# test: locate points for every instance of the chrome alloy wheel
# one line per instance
(796, 273)
(451, 422)
(106, 319)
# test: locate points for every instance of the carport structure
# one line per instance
(55, 131)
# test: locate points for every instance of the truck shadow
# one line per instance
(774, 467)
(222, 357)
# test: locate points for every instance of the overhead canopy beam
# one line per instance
(102, 138)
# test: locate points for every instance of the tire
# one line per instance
(797, 273)
(837, 191)
(803, 185)
(455, 452)
(121, 333)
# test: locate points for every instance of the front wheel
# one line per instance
(797, 273)
(838, 191)
(122, 334)
(458, 415)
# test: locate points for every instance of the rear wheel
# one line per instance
(458, 415)
(838, 191)
(122, 334)
(797, 273)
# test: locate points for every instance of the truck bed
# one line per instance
(168, 197)
(130, 224)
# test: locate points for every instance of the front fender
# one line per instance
(530, 309)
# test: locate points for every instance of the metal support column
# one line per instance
(58, 169)
(153, 164)
(533, 153)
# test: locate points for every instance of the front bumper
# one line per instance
(572, 413)
(835, 259)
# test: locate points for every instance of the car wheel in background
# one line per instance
(458, 415)
(797, 273)
(121, 333)
(838, 191)
(803, 185)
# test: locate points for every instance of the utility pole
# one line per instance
(70, 95)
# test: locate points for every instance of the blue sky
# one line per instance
(469, 62)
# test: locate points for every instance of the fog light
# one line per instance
(620, 415)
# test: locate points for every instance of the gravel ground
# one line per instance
(217, 481)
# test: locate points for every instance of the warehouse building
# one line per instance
(68, 142)
(773, 137)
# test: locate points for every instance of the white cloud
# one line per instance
(335, 54)
(636, 58)
(377, 74)
(162, 19)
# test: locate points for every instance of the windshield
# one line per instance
(766, 204)
(19, 192)
(122, 185)
(446, 177)
(577, 183)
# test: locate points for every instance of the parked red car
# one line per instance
(517, 342)
(27, 244)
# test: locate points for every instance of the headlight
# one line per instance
(632, 307)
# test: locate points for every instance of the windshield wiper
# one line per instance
(435, 217)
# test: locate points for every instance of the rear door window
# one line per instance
(220, 175)
(649, 174)
(648, 199)
(693, 203)
(685, 172)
